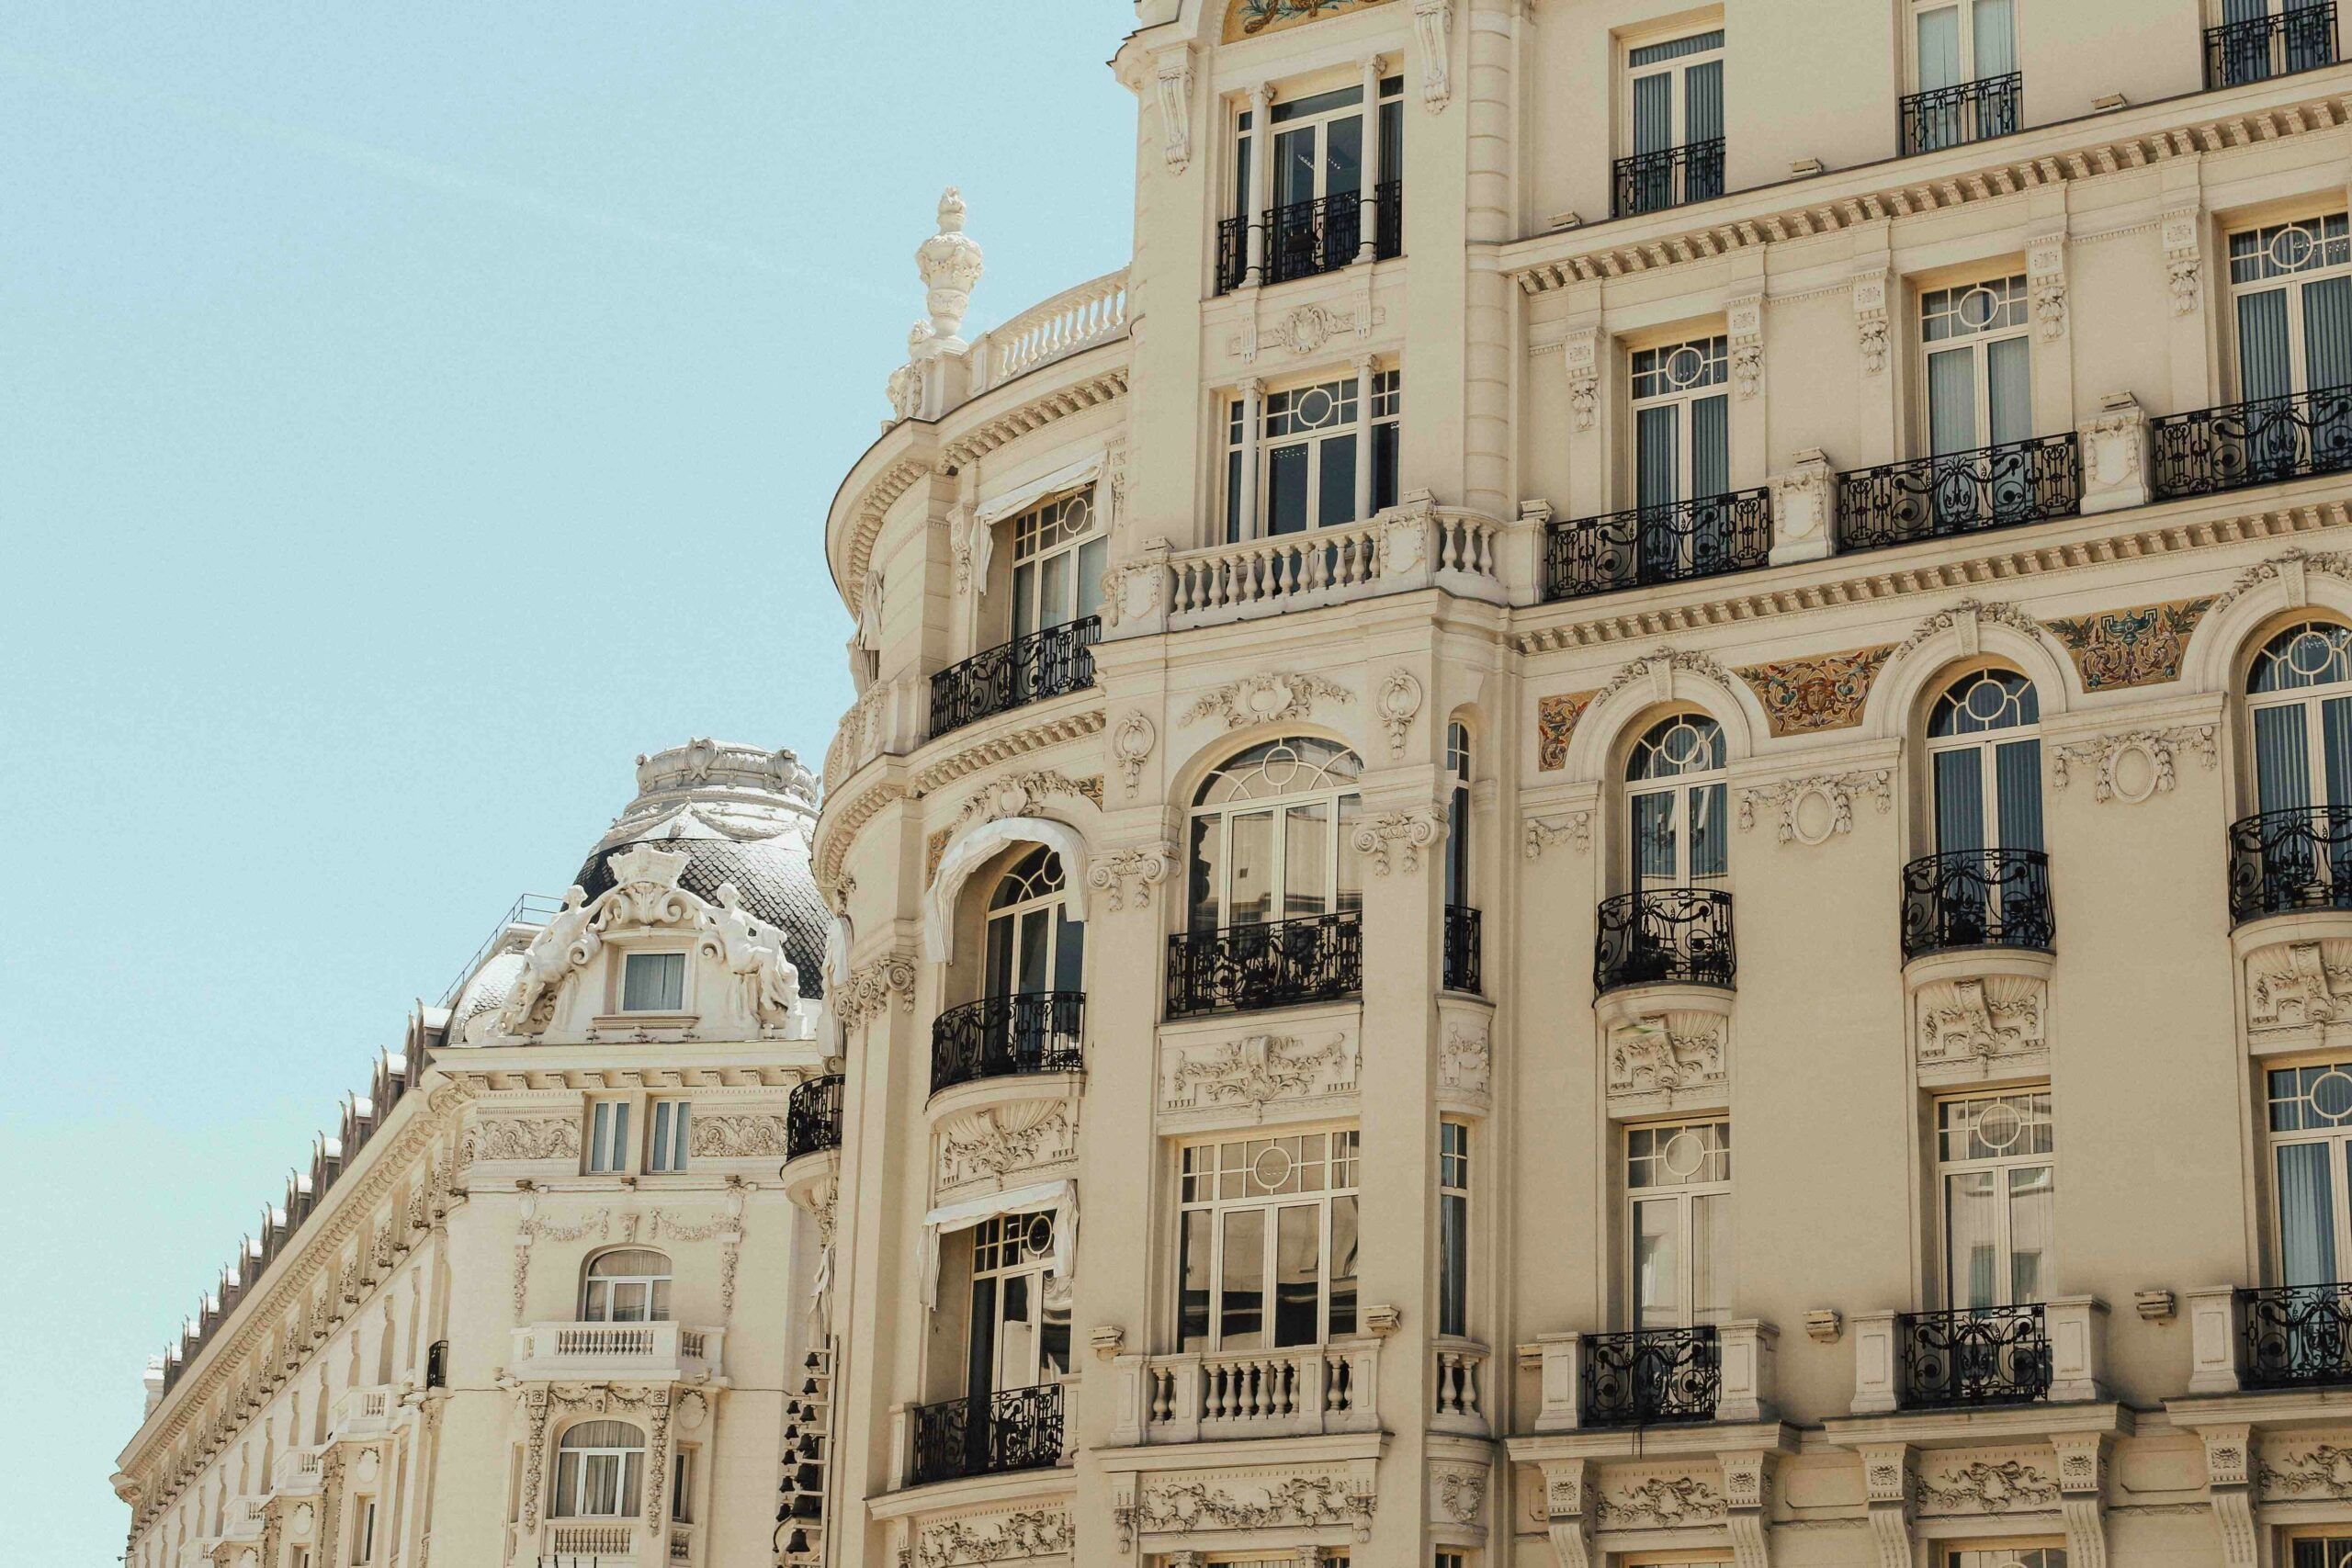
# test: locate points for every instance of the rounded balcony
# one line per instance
(1016, 1036)
(1677, 937)
(812, 1138)
(1970, 900)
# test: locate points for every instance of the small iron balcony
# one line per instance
(992, 1434)
(1304, 239)
(1671, 176)
(2297, 1336)
(1463, 956)
(2299, 38)
(1679, 541)
(2266, 441)
(1665, 936)
(812, 1118)
(1050, 663)
(1274, 964)
(1972, 1356)
(1977, 898)
(1960, 492)
(1651, 1376)
(999, 1037)
(1965, 112)
(2283, 862)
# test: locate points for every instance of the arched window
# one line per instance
(1457, 814)
(599, 1466)
(1019, 1338)
(1032, 945)
(628, 1284)
(2299, 694)
(1675, 797)
(1984, 755)
(1272, 835)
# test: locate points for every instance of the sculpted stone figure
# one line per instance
(549, 957)
(771, 983)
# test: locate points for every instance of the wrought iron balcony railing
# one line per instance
(1306, 238)
(1960, 492)
(1965, 112)
(1463, 954)
(1664, 936)
(1974, 1355)
(1977, 898)
(998, 1037)
(2297, 1336)
(1050, 663)
(1651, 1376)
(1274, 964)
(1678, 542)
(1014, 1428)
(2299, 38)
(2281, 861)
(1671, 176)
(813, 1117)
(2265, 441)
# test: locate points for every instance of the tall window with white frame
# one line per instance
(1057, 559)
(1965, 63)
(1268, 1240)
(1987, 884)
(1977, 345)
(1454, 1228)
(1997, 1158)
(2310, 1137)
(1675, 798)
(1681, 452)
(1272, 835)
(599, 1471)
(2290, 289)
(2296, 853)
(608, 1150)
(672, 1120)
(1463, 937)
(2261, 39)
(1323, 455)
(1674, 125)
(2006, 1555)
(1323, 169)
(628, 1284)
(1019, 1331)
(1678, 1201)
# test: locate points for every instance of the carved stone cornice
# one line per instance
(985, 748)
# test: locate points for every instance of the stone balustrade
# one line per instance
(363, 1413)
(1093, 313)
(655, 1351)
(1458, 1389)
(1303, 1391)
(592, 1539)
(296, 1471)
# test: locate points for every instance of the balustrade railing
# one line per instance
(1974, 1355)
(2264, 441)
(1671, 176)
(549, 1349)
(1459, 1401)
(1664, 936)
(813, 1117)
(582, 1540)
(1651, 1376)
(2281, 861)
(1035, 1031)
(2300, 37)
(1301, 1390)
(1462, 950)
(1676, 542)
(1281, 572)
(1977, 898)
(1960, 493)
(2297, 1336)
(1274, 964)
(1093, 313)
(991, 1434)
(1049, 663)
(1965, 112)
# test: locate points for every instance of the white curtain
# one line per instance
(1058, 1198)
(977, 844)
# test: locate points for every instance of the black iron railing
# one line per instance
(1973, 1355)
(2284, 861)
(1306, 238)
(2297, 1336)
(2299, 38)
(1672, 177)
(996, 1037)
(1960, 492)
(1678, 542)
(1388, 222)
(813, 1117)
(1276, 963)
(1954, 116)
(436, 1364)
(1977, 898)
(1015, 1428)
(1668, 935)
(2261, 442)
(1232, 252)
(1463, 956)
(1650, 1376)
(1050, 663)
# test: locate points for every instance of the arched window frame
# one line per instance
(1286, 781)
(1029, 914)
(1682, 840)
(2008, 757)
(599, 1471)
(614, 1297)
(2312, 769)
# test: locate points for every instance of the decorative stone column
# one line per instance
(1261, 191)
(1253, 421)
(1368, 198)
(1363, 430)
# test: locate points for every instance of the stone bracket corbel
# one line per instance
(1570, 1496)
(2229, 1491)
(2082, 1495)
(1888, 1486)
(1747, 1505)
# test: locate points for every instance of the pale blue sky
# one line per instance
(408, 414)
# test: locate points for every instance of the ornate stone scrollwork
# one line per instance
(1016, 1537)
(1258, 1070)
(1000, 1140)
(1409, 832)
(1129, 875)
(1399, 704)
(1966, 1027)
(1811, 810)
(1171, 78)
(1270, 697)
(1131, 742)
(2135, 766)
(1574, 830)
(2184, 259)
(1433, 32)
(871, 986)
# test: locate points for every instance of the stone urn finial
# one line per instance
(950, 264)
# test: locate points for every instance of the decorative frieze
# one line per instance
(735, 1135)
(1806, 697)
(1658, 1500)
(1981, 1027)
(1810, 810)
(1023, 1535)
(2141, 645)
(2133, 767)
(1978, 1483)
(1244, 1078)
(522, 1138)
(999, 1141)
(1178, 1504)
(1668, 1061)
(2298, 994)
(1555, 726)
(1574, 830)
(1270, 697)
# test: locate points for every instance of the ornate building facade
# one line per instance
(1607, 827)
(542, 1295)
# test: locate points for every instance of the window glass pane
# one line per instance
(658, 1308)
(1298, 1270)
(2327, 333)
(1250, 892)
(2009, 375)
(1711, 446)
(1654, 112)
(1972, 1222)
(1024, 599)
(2017, 767)
(1017, 1346)
(1053, 589)
(1996, 53)
(1711, 1265)
(1960, 801)
(1305, 850)
(2266, 370)
(1702, 107)
(1090, 557)
(653, 982)
(1070, 952)
(1676, 49)
(1657, 1264)
(1656, 462)
(1939, 48)
(980, 1353)
(1336, 499)
(1241, 1313)
(1192, 1265)
(1294, 165)
(1343, 155)
(2281, 758)
(2307, 1213)
(1343, 1253)
(1286, 469)
(1384, 465)
(1454, 1263)
(1207, 890)
(1317, 103)
(1348, 884)
(1708, 847)
(1037, 931)
(1236, 525)
(1951, 401)
(2031, 1210)
(2335, 748)
(1654, 839)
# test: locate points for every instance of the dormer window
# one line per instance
(653, 982)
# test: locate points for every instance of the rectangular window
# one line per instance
(1674, 123)
(669, 1150)
(1997, 1154)
(1681, 429)
(1268, 1242)
(681, 1474)
(1307, 454)
(653, 982)
(1058, 558)
(1978, 350)
(2311, 1132)
(1454, 1228)
(362, 1539)
(1019, 1332)
(2291, 288)
(2013, 1557)
(1677, 1194)
(609, 1136)
(2331, 1551)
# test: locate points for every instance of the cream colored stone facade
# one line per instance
(1814, 1038)
(557, 1215)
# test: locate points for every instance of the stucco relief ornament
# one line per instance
(870, 988)
(563, 945)
(1966, 617)
(1171, 74)
(1993, 1486)
(1399, 704)
(1968, 1023)
(1465, 1059)
(1308, 1500)
(1812, 809)
(739, 1135)
(1131, 743)
(1131, 874)
(528, 1138)
(1574, 830)
(2184, 260)
(2322, 1470)
(754, 954)
(994, 1142)
(1663, 1501)
(2134, 767)
(1433, 31)
(1412, 831)
(1012, 1538)
(1870, 322)
(950, 264)
(1652, 1054)
(1270, 697)
(1258, 1068)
